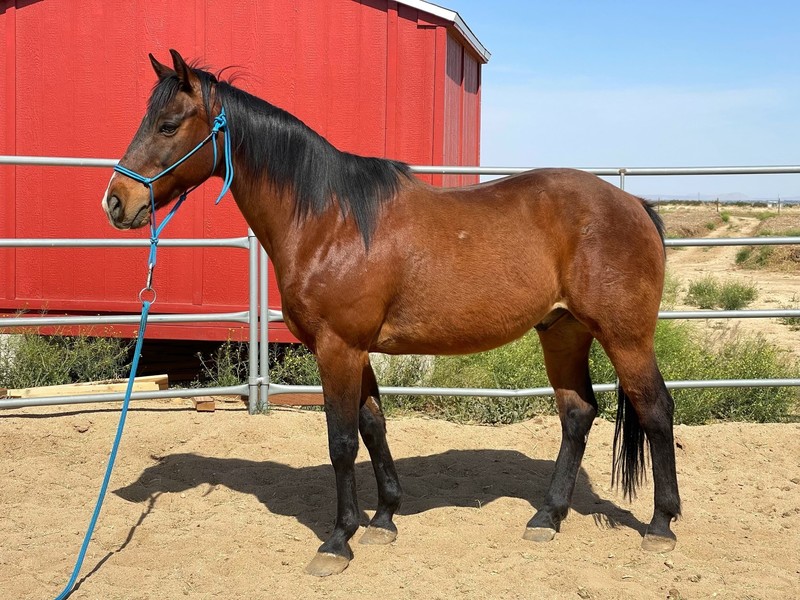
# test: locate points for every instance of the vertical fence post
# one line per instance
(622, 178)
(263, 347)
(252, 362)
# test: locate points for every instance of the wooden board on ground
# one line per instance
(209, 403)
(140, 384)
(296, 399)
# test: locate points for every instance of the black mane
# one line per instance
(274, 145)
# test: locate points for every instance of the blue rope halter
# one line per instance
(220, 124)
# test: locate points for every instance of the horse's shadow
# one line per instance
(458, 478)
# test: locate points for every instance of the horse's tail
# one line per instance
(628, 462)
(655, 218)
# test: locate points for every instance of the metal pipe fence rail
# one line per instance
(259, 388)
(250, 316)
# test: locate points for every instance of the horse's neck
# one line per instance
(271, 217)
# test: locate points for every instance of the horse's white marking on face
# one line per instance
(105, 194)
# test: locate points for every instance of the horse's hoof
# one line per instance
(325, 564)
(378, 536)
(658, 543)
(539, 534)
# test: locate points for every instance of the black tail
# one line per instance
(628, 462)
(655, 218)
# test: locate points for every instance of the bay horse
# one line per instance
(369, 258)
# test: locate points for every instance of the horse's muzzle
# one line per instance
(114, 208)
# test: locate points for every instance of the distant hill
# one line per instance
(728, 198)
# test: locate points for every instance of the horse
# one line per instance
(369, 258)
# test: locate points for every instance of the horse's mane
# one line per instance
(275, 146)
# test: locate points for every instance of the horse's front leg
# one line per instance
(341, 369)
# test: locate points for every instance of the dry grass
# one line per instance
(699, 220)
(690, 221)
(774, 258)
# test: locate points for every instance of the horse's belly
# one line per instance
(461, 325)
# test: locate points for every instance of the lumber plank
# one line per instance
(148, 383)
(296, 399)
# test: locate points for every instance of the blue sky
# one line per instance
(611, 84)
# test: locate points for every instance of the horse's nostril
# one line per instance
(114, 207)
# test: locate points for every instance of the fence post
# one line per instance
(263, 347)
(252, 363)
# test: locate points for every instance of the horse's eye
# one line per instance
(168, 128)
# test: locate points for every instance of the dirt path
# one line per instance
(775, 290)
(226, 505)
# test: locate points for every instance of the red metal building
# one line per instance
(398, 79)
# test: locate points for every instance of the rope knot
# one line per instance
(220, 121)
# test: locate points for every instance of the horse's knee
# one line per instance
(343, 448)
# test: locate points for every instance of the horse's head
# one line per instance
(177, 120)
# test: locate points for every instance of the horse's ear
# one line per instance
(161, 70)
(185, 75)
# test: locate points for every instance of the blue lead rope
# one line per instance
(112, 457)
(220, 123)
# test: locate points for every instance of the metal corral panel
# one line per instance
(375, 77)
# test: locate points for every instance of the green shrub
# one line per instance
(792, 322)
(293, 365)
(32, 360)
(708, 293)
(725, 216)
(402, 371)
(754, 257)
(735, 296)
(227, 366)
(519, 364)
(704, 292)
(765, 214)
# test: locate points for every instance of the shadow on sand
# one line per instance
(458, 478)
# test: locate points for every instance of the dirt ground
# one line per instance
(226, 505)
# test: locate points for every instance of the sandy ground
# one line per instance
(225, 505)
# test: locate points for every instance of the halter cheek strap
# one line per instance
(220, 124)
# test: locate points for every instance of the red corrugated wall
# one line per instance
(461, 112)
(74, 80)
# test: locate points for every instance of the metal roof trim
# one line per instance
(454, 18)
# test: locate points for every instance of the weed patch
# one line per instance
(32, 360)
(709, 293)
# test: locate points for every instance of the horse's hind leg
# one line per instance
(646, 409)
(371, 423)
(566, 352)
